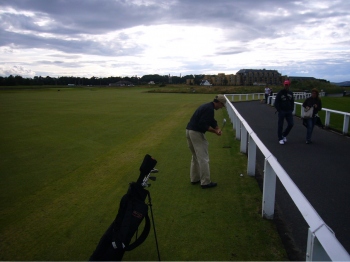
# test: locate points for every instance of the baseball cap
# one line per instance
(286, 83)
(221, 98)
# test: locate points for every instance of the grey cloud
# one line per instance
(231, 51)
(17, 70)
(69, 21)
(88, 17)
(96, 17)
(68, 46)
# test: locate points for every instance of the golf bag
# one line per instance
(132, 210)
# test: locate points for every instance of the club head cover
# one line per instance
(147, 165)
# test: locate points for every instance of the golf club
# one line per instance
(153, 178)
(223, 123)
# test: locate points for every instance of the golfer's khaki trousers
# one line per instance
(198, 145)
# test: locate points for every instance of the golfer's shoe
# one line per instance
(281, 142)
(210, 185)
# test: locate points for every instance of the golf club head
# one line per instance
(145, 184)
(146, 167)
(154, 170)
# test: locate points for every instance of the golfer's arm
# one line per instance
(214, 130)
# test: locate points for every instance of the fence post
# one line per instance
(314, 249)
(269, 190)
(328, 116)
(251, 156)
(244, 139)
(346, 124)
(238, 128)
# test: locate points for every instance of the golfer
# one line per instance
(201, 122)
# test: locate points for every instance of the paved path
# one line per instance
(320, 170)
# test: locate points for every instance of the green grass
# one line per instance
(66, 160)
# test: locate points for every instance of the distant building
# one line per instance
(151, 83)
(205, 83)
(189, 81)
(247, 77)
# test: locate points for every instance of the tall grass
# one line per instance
(66, 158)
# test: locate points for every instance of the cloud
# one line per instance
(128, 37)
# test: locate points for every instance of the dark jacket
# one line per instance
(284, 101)
(202, 118)
(310, 102)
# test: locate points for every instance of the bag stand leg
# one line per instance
(154, 227)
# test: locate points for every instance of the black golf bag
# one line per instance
(132, 210)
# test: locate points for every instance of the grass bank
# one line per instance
(66, 160)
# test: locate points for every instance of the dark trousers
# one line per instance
(266, 97)
(310, 123)
(288, 115)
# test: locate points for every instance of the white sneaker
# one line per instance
(284, 139)
(281, 142)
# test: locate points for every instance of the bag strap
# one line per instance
(143, 235)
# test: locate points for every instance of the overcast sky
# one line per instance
(104, 38)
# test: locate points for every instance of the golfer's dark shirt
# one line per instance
(202, 118)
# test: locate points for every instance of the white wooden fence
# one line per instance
(321, 243)
(327, 121)
(297, 96)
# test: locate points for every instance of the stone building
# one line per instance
(249, 77)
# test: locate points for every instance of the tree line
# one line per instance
(94, 81)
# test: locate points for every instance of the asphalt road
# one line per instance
(320, 170)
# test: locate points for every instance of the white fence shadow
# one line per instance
(321, 243)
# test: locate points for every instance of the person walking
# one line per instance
(284, 104)
(315, 102)
(267, 93)
(202, 121)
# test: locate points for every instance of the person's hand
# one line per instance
(218, 131)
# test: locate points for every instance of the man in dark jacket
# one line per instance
(201, 122)
(284, 104)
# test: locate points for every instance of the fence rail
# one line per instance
(297, 96)
(321, 242)
(327, 121)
